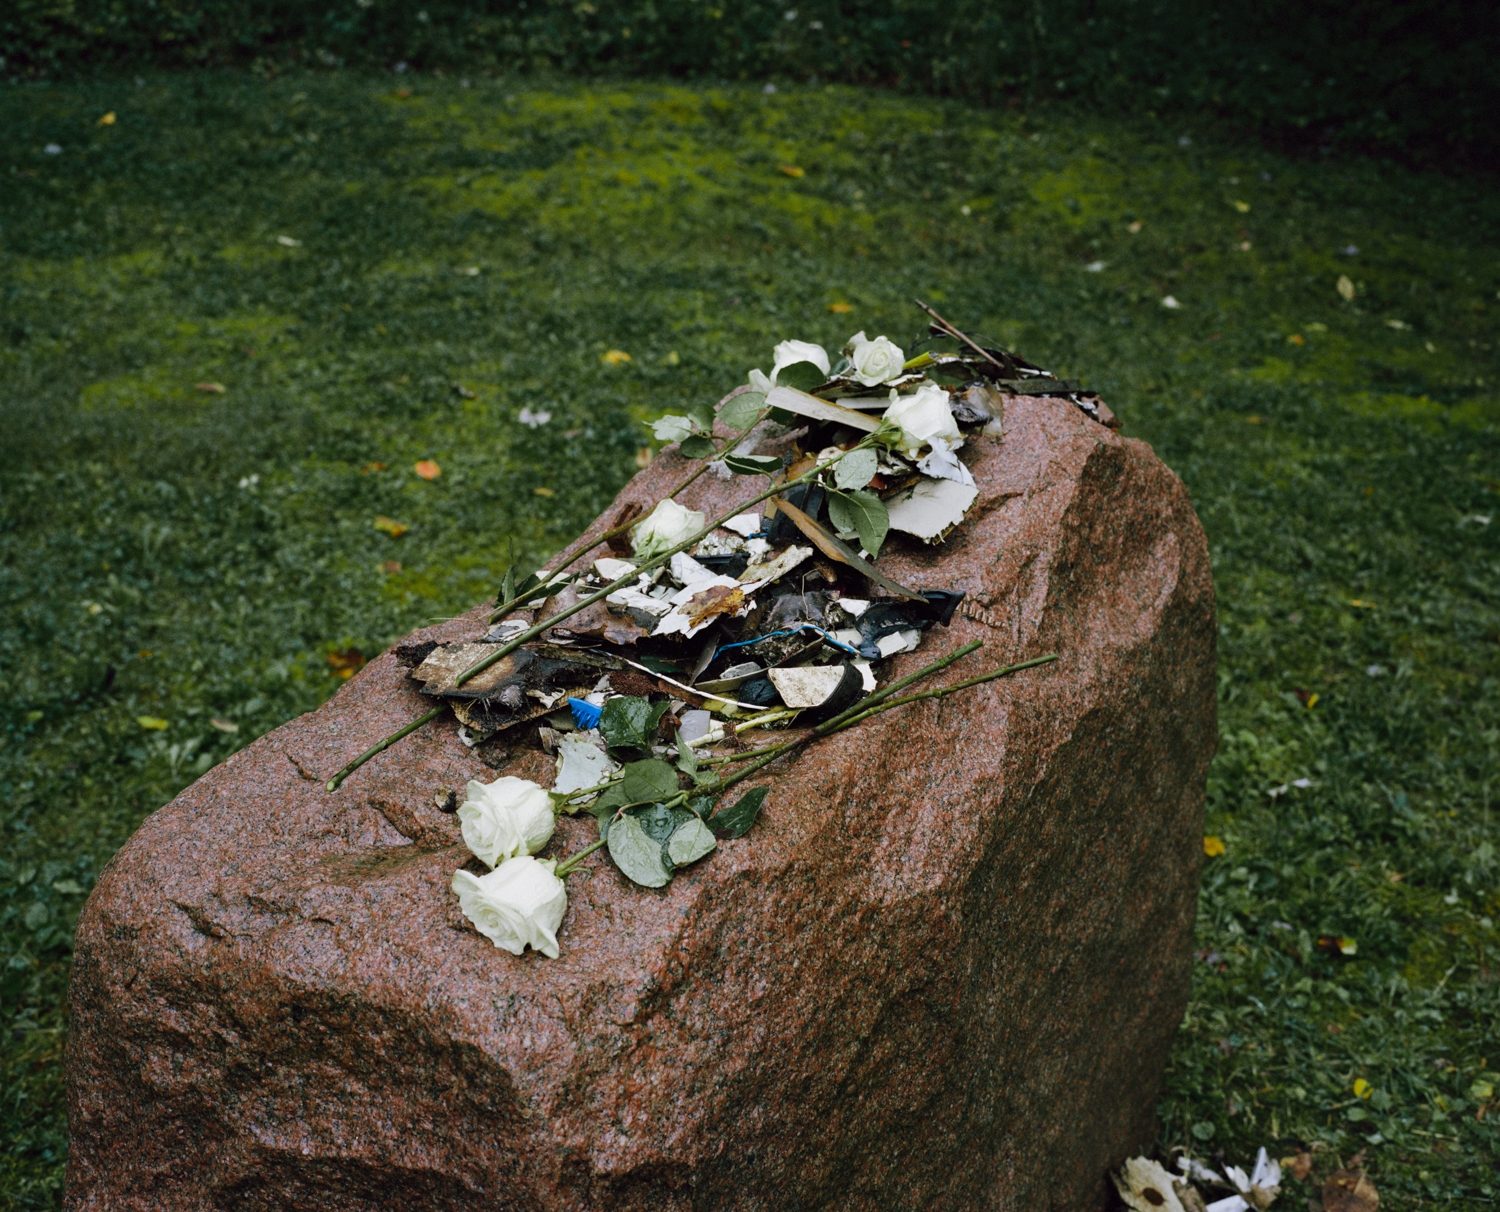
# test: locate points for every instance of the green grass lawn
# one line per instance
(376, 275)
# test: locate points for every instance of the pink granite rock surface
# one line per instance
(942, 972)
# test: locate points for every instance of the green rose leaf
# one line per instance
(629, 721)
(603, 809)
(651, 779)
(689, 842)
(861, 513)
(696, 447)
(702, 806)
(659, 821)
(752, 465)
(741, 412)
(736, 821)
(687, 760)
(637, 854)
(856, 469)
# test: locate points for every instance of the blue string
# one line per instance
(771, 635)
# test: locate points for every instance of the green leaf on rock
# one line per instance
(752, 465)
(636, 853)
(629, 721)
(650, 779)
(856, 469)
(736, 821)
(696, 446)
(741, 412)
(687, 760)
(861, 513)
(689, 842)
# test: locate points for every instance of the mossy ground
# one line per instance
(377, 275)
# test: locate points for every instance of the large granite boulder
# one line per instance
(943, 971)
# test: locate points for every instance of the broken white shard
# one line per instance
(757, 575)
(848, 635)
(854, 607)
(686, 603)
(634, 597)
(721, 544)
(806, 685)
(694, 724)
(931, 508)
(612, 570)
(581, 762)
(866, 674)
(687, 571)
(899, 641)
(745, 524)
(942, 463)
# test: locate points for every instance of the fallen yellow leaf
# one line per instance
(153, 723)
(427, 469)
(1213, 846)
(1345, 287)
(1242, 207)
(1312, 700)
(1362, 1088)
(615, 357)
(390, 526)
(1135, 228)
(544, 491)
(791, 170)
(211, 388)
(108, 119)
(1296, 338)
(841, 308)
(1361, 604)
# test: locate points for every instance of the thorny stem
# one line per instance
(381, 746)
(568, 864)
(877, 705)
(613, 532)
(516, 641)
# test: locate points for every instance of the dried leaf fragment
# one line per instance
(389, 526)
(427, 469)
(1349, 1191)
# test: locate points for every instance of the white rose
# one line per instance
(875, 362)
(923, 417)
(666, 526)
(518, 904)
(672, 428)
(789, 353)
(506, 818)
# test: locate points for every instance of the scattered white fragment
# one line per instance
(506, 629)
(289, 242)
(847, 635)
(534, 418)
(1170, 303)
(694, 724)
(866, 674)
(53, 149)
(1375, 671)
(942, 463)
(1475, 519)
(899, 641)
(635, 597)
(757, 575)
(686, 570)
(931, 508)
(684, 604)
(745, 524)
(854, 607)
(581, 762)
(1096, 267)
(1145, 1186)
(612, 569)
(806, 685)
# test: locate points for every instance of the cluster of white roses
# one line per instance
(520, 902)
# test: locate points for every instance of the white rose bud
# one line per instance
(875, 362)
(664, 528)
(922, 417)
(519, 904)
(506, 818)
(789, 353)
(672, 428)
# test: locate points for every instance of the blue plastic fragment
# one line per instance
(585, 714)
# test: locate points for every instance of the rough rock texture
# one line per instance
(942, 972)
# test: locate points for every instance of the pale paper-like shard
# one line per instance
(804, 405)
(745, 524)
(757, 575)
(806, 685)
(931, 508)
